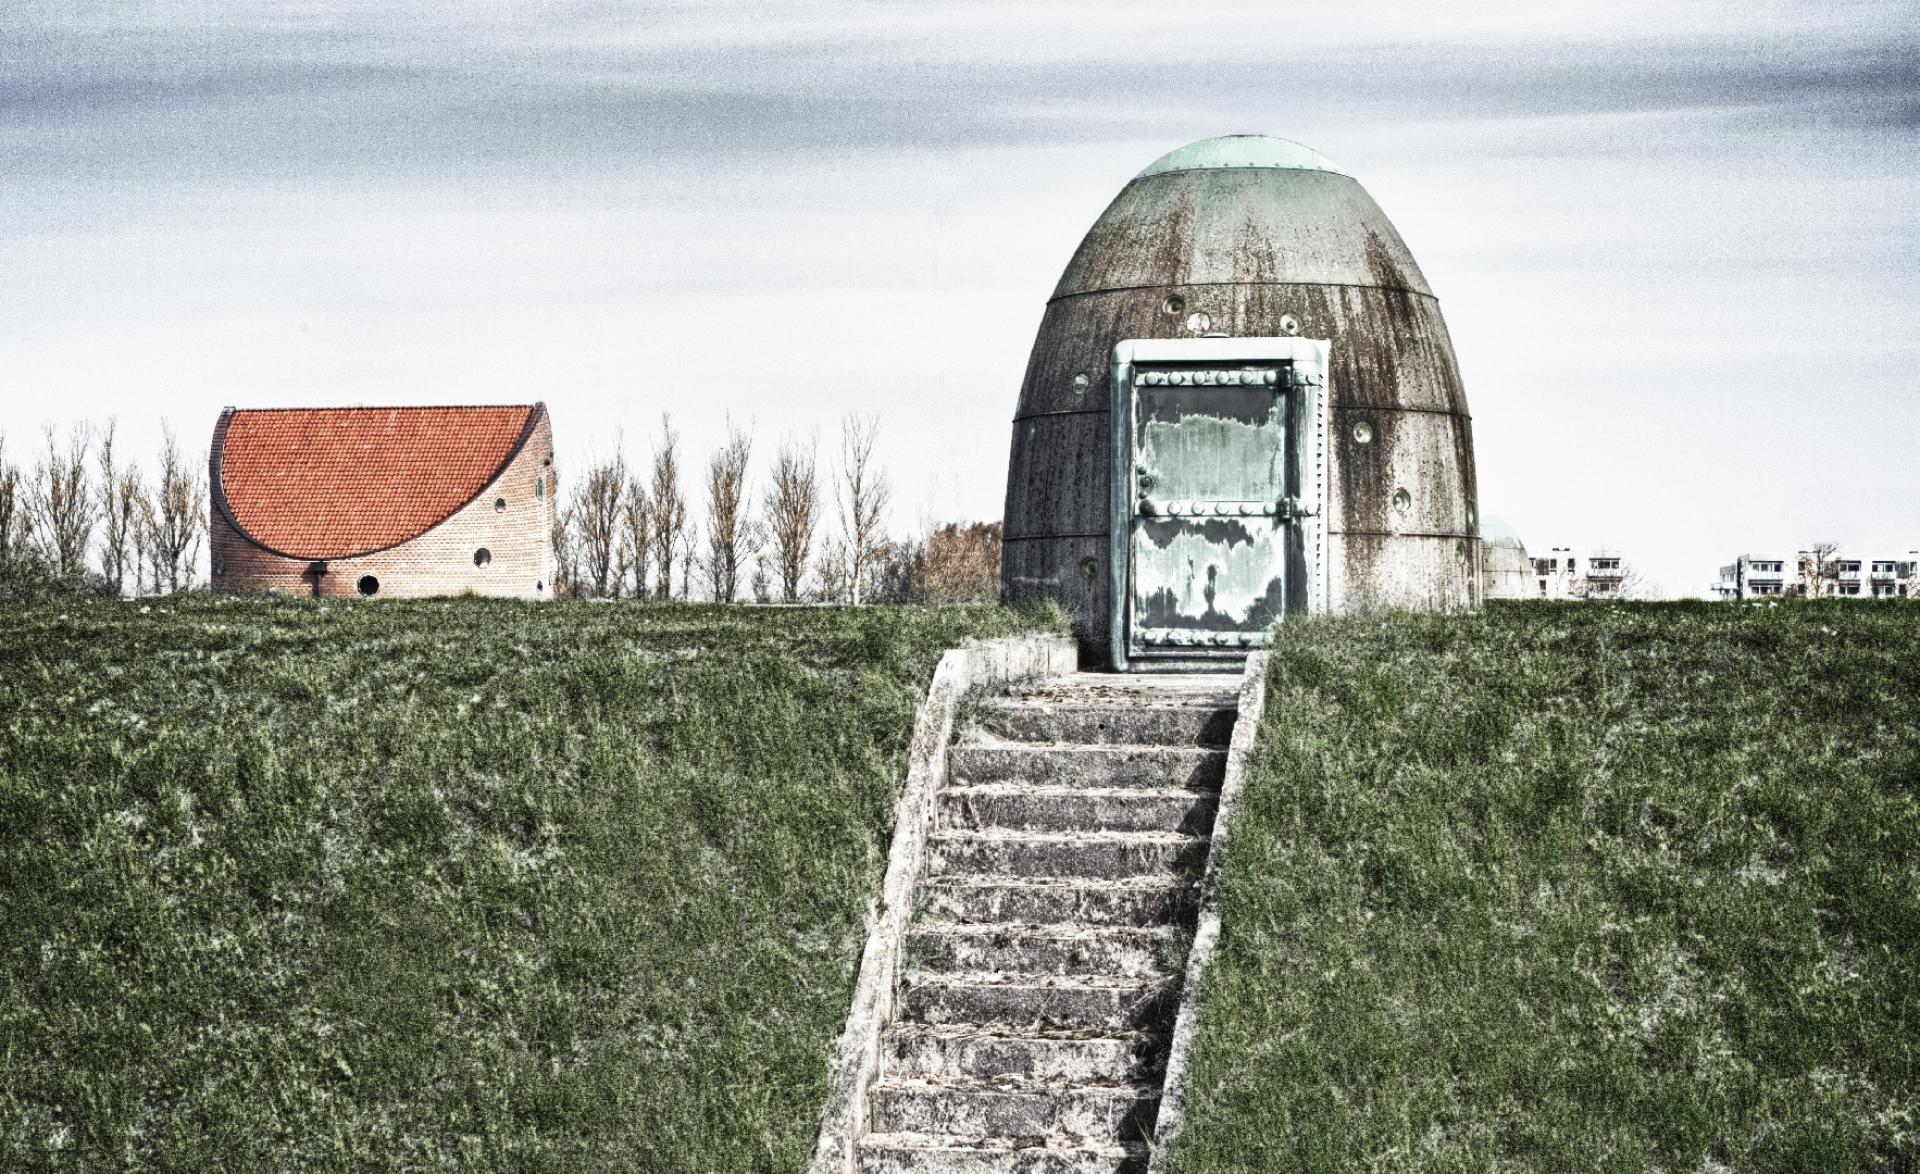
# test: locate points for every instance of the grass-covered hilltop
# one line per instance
(425, 885)
(564, 886)
(1574, 888)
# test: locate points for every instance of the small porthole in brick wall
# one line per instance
(369, 585)
(499, 505)
(540, 586)
(482, 557)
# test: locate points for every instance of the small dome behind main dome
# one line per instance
(1241, 151)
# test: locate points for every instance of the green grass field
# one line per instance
(445, 884)
(1575, 888)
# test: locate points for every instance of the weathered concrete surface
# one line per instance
(1054, 809)
(982, 665)
(1047, 949)
(923, 1154)
(1038, 981)
(1155, 900)
(967, 1053)
(1088, 765)
(1110, 1112)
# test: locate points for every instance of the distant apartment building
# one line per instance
(1821, 573)
(1566, 573)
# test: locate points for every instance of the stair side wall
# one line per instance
(856, 1062)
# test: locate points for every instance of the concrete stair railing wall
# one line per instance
(1021, 988)
(979, 666)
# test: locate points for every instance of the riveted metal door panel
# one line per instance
(1208, 530)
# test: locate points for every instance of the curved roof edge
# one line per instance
(1241, 151)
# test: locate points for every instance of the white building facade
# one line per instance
(1566, 572)
(1821, 574)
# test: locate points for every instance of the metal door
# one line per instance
(1211, 504)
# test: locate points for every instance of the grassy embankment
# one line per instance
(458, 883)
(1594, 888)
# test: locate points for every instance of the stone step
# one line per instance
(889, 1153)
(1025, 807)
(1168, 725)
(972, 1109)
(1156, 900)
(1097, 856)
(964, 1053)
(1081, 1003)
(1095, 766)
(1121, 951)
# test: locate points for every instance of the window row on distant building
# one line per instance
(1821, 573)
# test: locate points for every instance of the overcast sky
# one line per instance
(1675, 243)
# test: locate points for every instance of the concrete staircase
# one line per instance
(1042, 963)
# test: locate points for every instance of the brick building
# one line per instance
(383, 501)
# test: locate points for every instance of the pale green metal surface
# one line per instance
(1241, 151)
(1209, 476)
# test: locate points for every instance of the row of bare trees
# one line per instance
(808, 534)
(82, 518)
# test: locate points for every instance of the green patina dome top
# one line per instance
(1241, 151)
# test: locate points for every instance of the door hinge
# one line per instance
(1298, 376)
(1290, 508)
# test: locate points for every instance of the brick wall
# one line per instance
(438, 562)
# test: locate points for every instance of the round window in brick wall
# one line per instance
(499, 505)
(482, 557)
(369, 585)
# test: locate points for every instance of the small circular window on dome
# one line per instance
(1362, 432)
(1175, 305)
(482, 557)
(368, 585)
(499, 505)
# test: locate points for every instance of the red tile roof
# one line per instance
(322, 483)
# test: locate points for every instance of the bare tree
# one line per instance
(120, 492)
(862, 494)
(1819, 569)
(830, 570)
(61, 506)
(173, 518)
(636, 535)
(13, 514)
(666, 508)
(792, 514)
(730, 532)
(596, 524)
(566, 552)
(959, 564)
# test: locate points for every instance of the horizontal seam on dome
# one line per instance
(1068, 412)
(1060, 297)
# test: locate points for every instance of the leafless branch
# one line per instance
(666, 508)
(730, 532)
(792, 514)
(862, 493)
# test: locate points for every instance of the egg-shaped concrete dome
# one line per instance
(1506, 571)
(1252, 237)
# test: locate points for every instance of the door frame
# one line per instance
(1304, 361)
